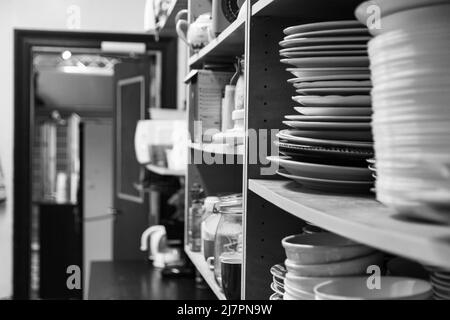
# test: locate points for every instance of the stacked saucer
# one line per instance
(278, 272)
(331, 132)
(411, 120)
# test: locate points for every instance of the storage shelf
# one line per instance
(228, 44)
(199, 262)
(165, 171)
(360, 218)
(218, 148)
(167, 27)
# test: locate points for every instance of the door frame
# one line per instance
(118, 143)
(24, 41)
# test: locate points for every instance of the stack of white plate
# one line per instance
(440, 281)
(332, 82)
(313, 259)
(410, 98)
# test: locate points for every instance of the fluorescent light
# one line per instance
(123, 47)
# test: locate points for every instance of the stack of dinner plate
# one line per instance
(411, 112)
(329, 137)
(278, 272)
(313, 259)
(440, 281)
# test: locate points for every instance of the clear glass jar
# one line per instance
(228, 242)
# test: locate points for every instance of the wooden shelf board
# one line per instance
(167, 27)
(229, 43)
(309, 10)
(218, 148)
(199, 262)
(165, 171)
(360, 218)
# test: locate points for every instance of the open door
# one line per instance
(131, 203)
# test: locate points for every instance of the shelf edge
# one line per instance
(200, 264)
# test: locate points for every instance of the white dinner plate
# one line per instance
(334, 111)
(334, 100)
(308, 125)
(329, 185)
(291, 135)
(302, 42)
(329, 33)
(297, 117)
(332, 91)
(348, 135)
(330, 53)
(363, 76)
(327, 47)
(352, 61)
(315, 72)
(333, 84)
(326, 25)
(322, 171)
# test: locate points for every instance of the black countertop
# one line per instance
(137, 280)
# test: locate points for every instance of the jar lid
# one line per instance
(230, 204)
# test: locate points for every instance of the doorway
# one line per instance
(38, 110)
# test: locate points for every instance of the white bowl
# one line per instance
(356, 288)
(351, 267)
(320, 248)
(298, 295)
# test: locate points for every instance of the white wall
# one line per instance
(96, 15)
(6, 119)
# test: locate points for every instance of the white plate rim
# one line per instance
(340, 182)
(332, 40)
(300, 117)
(357, 126)
(361, 30)
(286, 159)
(330, 77)
(328, 47)
(282, 134)
(320, 25)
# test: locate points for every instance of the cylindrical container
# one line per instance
(228, 240)
(209, 226)
(195, 217)
(228, 107)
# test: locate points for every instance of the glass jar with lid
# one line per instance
(228, 242)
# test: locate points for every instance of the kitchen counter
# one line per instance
(137, 280)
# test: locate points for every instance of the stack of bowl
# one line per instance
(390, 288)
(316, 258)
(410, 98)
